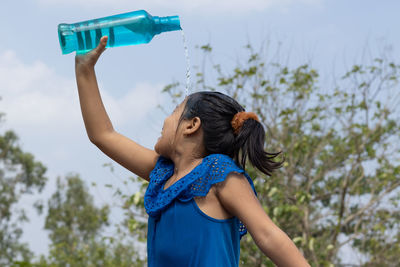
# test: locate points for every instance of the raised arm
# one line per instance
(99, 128)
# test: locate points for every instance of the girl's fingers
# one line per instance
(91, 57)
(96, 52)
(102, 45)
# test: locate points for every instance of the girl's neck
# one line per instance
(185, 164)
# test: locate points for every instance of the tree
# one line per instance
(341, 180)
(73, 221)
(20, 174)
(75, 227)
(134, 225)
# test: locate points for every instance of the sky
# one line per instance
(39, 94)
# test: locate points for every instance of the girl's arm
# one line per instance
(238, 198)
(100, 131)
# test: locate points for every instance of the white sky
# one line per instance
(203, 6)
(37, 83)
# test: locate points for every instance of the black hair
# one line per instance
(216, 111)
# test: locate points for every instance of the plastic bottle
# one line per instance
(136, 27)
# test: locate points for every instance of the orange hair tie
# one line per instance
(240, 118)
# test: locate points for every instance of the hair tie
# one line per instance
(240, 118)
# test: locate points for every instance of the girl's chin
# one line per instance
(157, 146)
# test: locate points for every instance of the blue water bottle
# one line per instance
(137, 27)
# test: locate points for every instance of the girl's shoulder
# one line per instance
(213, 169)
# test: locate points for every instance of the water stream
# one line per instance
(185, 45)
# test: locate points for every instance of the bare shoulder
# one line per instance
(235, 193)
(238, 198)
(234, 183)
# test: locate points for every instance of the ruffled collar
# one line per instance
(213, 169)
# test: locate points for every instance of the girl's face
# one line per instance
(169, 134)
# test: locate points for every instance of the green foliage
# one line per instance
(135, 221)
(76, 226)
(136, 216)
(20, 174)
(341, 180)
(74, 223)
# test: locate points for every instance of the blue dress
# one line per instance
(179, 233)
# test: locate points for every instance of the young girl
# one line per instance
(199, 199)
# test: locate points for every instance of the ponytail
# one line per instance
(249, 143)
(239, 138)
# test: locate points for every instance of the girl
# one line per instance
(199, 199)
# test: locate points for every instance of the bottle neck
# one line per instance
(166, 24)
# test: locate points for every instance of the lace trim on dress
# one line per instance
(213, 169)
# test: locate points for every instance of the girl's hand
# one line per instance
(90, 58)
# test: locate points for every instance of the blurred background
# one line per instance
(46, 156)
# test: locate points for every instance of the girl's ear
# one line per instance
(192, 126)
